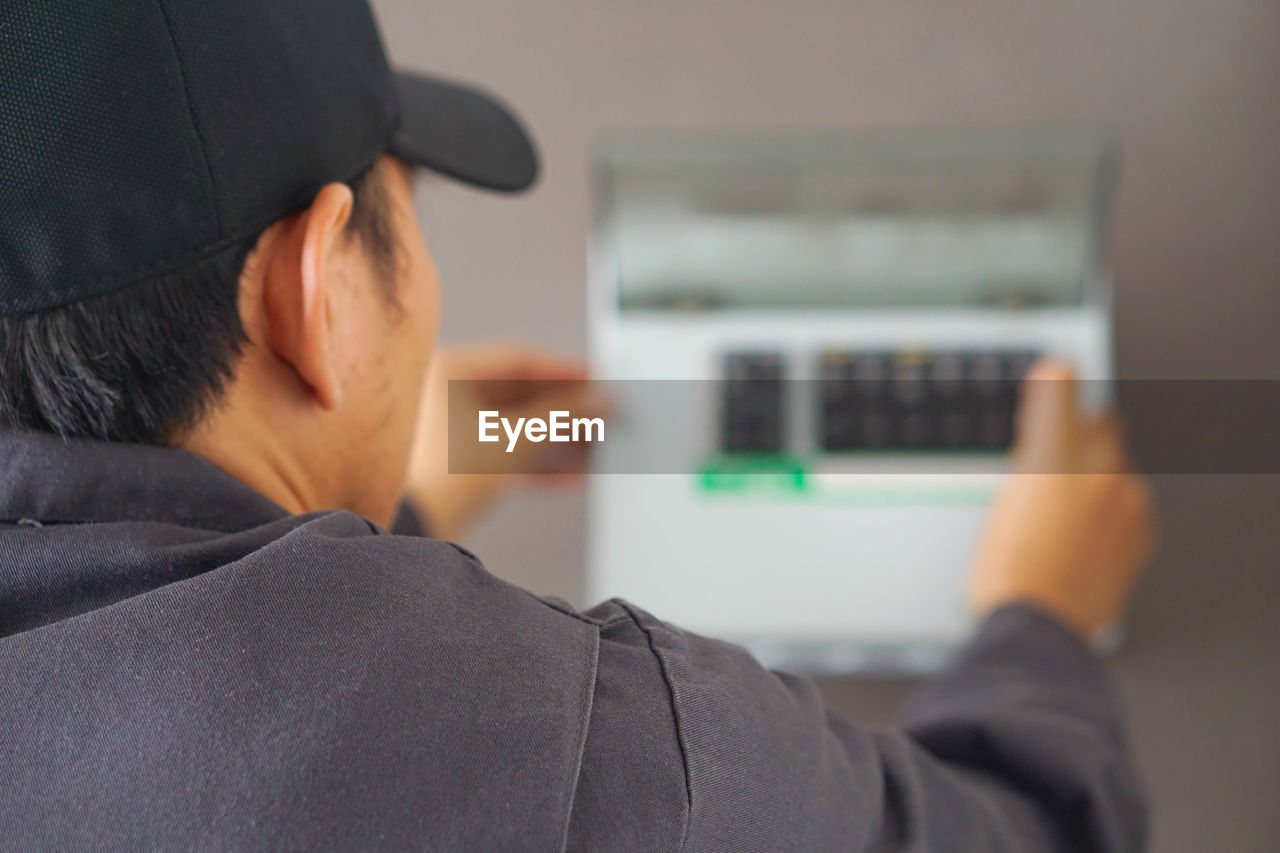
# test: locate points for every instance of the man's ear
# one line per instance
(297, 291)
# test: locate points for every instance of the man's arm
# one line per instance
(1026, 703)
(1017, 746)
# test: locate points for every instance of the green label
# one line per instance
(753, 473)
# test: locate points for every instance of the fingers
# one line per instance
(1056, 436)
(510, 361)
(579, 400)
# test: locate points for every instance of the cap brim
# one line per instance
(462, 133)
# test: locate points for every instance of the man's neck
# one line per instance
(240, 450)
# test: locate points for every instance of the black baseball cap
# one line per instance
(139, 136)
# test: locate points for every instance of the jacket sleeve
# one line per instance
(1016, 747)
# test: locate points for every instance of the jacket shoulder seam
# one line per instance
(675, 715)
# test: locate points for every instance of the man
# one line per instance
(217, 319)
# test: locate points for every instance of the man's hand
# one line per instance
(1073, 527)
(451, 502)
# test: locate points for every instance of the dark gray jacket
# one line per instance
(183, 665)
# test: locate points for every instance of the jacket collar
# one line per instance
(52, 480)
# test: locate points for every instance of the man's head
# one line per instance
(339, 305)
(309, 341)
(195, 248)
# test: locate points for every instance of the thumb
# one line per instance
(1048, 407)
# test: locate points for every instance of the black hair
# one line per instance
(146, 363)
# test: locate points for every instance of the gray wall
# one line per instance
(1189, 85)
